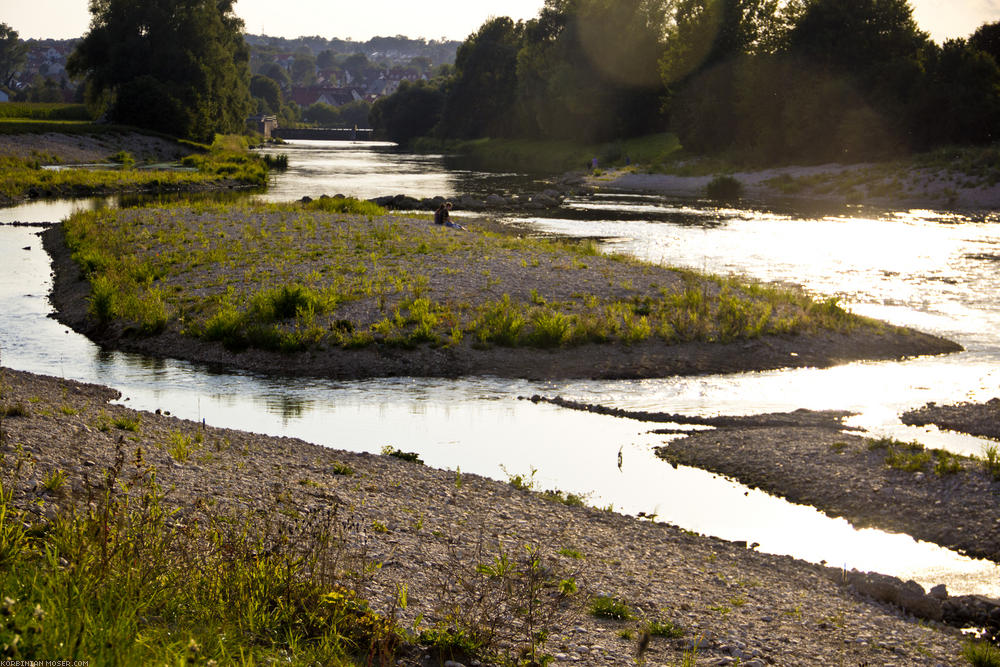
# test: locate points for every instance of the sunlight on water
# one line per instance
(919, 268)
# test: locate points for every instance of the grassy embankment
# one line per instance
(226, 161)
(340, 273)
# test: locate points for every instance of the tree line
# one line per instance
(768, 80)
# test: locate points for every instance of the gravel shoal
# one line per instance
(425, 528)
(843, 475)
(979, 419)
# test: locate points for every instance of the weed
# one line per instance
(564, 497)
(54, 481)
(180, 447)
(605, 606)
(664, 629)
(126, 423)
(908, 457)
(991, 461)
(838, 447)
(379, 526)
(15, 410)
(575, 554)
(981, 654)
(507, 597)
(342, 469)
(412, 457)
(946, 463)
(520, 481)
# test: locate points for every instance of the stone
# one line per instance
(940, 592)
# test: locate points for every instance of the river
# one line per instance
(932, 270)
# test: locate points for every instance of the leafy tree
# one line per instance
(326, 59)
(267, 91)
(588, 68)
(304, 68)
(859, 37)
(277, 73)
(986, 38)
(960, 101)
(482, 93)
(12, 54)
(359, 67)
(178, 66)
(411, 112)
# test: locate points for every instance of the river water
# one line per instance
(933, 270)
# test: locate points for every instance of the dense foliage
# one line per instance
(177, 66)
(12, 54)
(763, 80)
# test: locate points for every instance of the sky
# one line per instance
(432, 19)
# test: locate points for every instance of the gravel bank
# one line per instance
(839, 473)
(424, 526)
(838, 184)
(980, 419)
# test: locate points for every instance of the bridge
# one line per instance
(325, 133)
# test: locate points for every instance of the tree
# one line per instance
(177, 66)
(482, 94)
(304, 68)
(326, 59)
(588, 68)
(859, 37)
(12, 54)
(986, 38)
(267, 91)
(408, 113)
(277, 73)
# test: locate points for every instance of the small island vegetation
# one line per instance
(335, 276)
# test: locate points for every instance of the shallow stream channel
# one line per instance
(935, 271)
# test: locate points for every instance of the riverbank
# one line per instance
(428, 533)
(375, 295)
(885, 185)
(112, 160)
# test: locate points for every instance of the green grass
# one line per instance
(44, 111)
(604, 606)
(340, 273)
(981, 654)
(664, 629)
(123, 583)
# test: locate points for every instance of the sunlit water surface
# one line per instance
(935, 272)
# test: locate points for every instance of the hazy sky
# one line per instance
(433, 19)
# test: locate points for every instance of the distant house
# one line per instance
(336, 97)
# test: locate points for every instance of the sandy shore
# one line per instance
(836, 184)
(429, 528)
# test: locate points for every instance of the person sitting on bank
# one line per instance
(441, 215)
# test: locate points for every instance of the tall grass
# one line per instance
(122, 582)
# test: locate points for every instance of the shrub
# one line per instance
(605, 606)
(724, 188)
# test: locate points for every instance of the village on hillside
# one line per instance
(304, 81)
